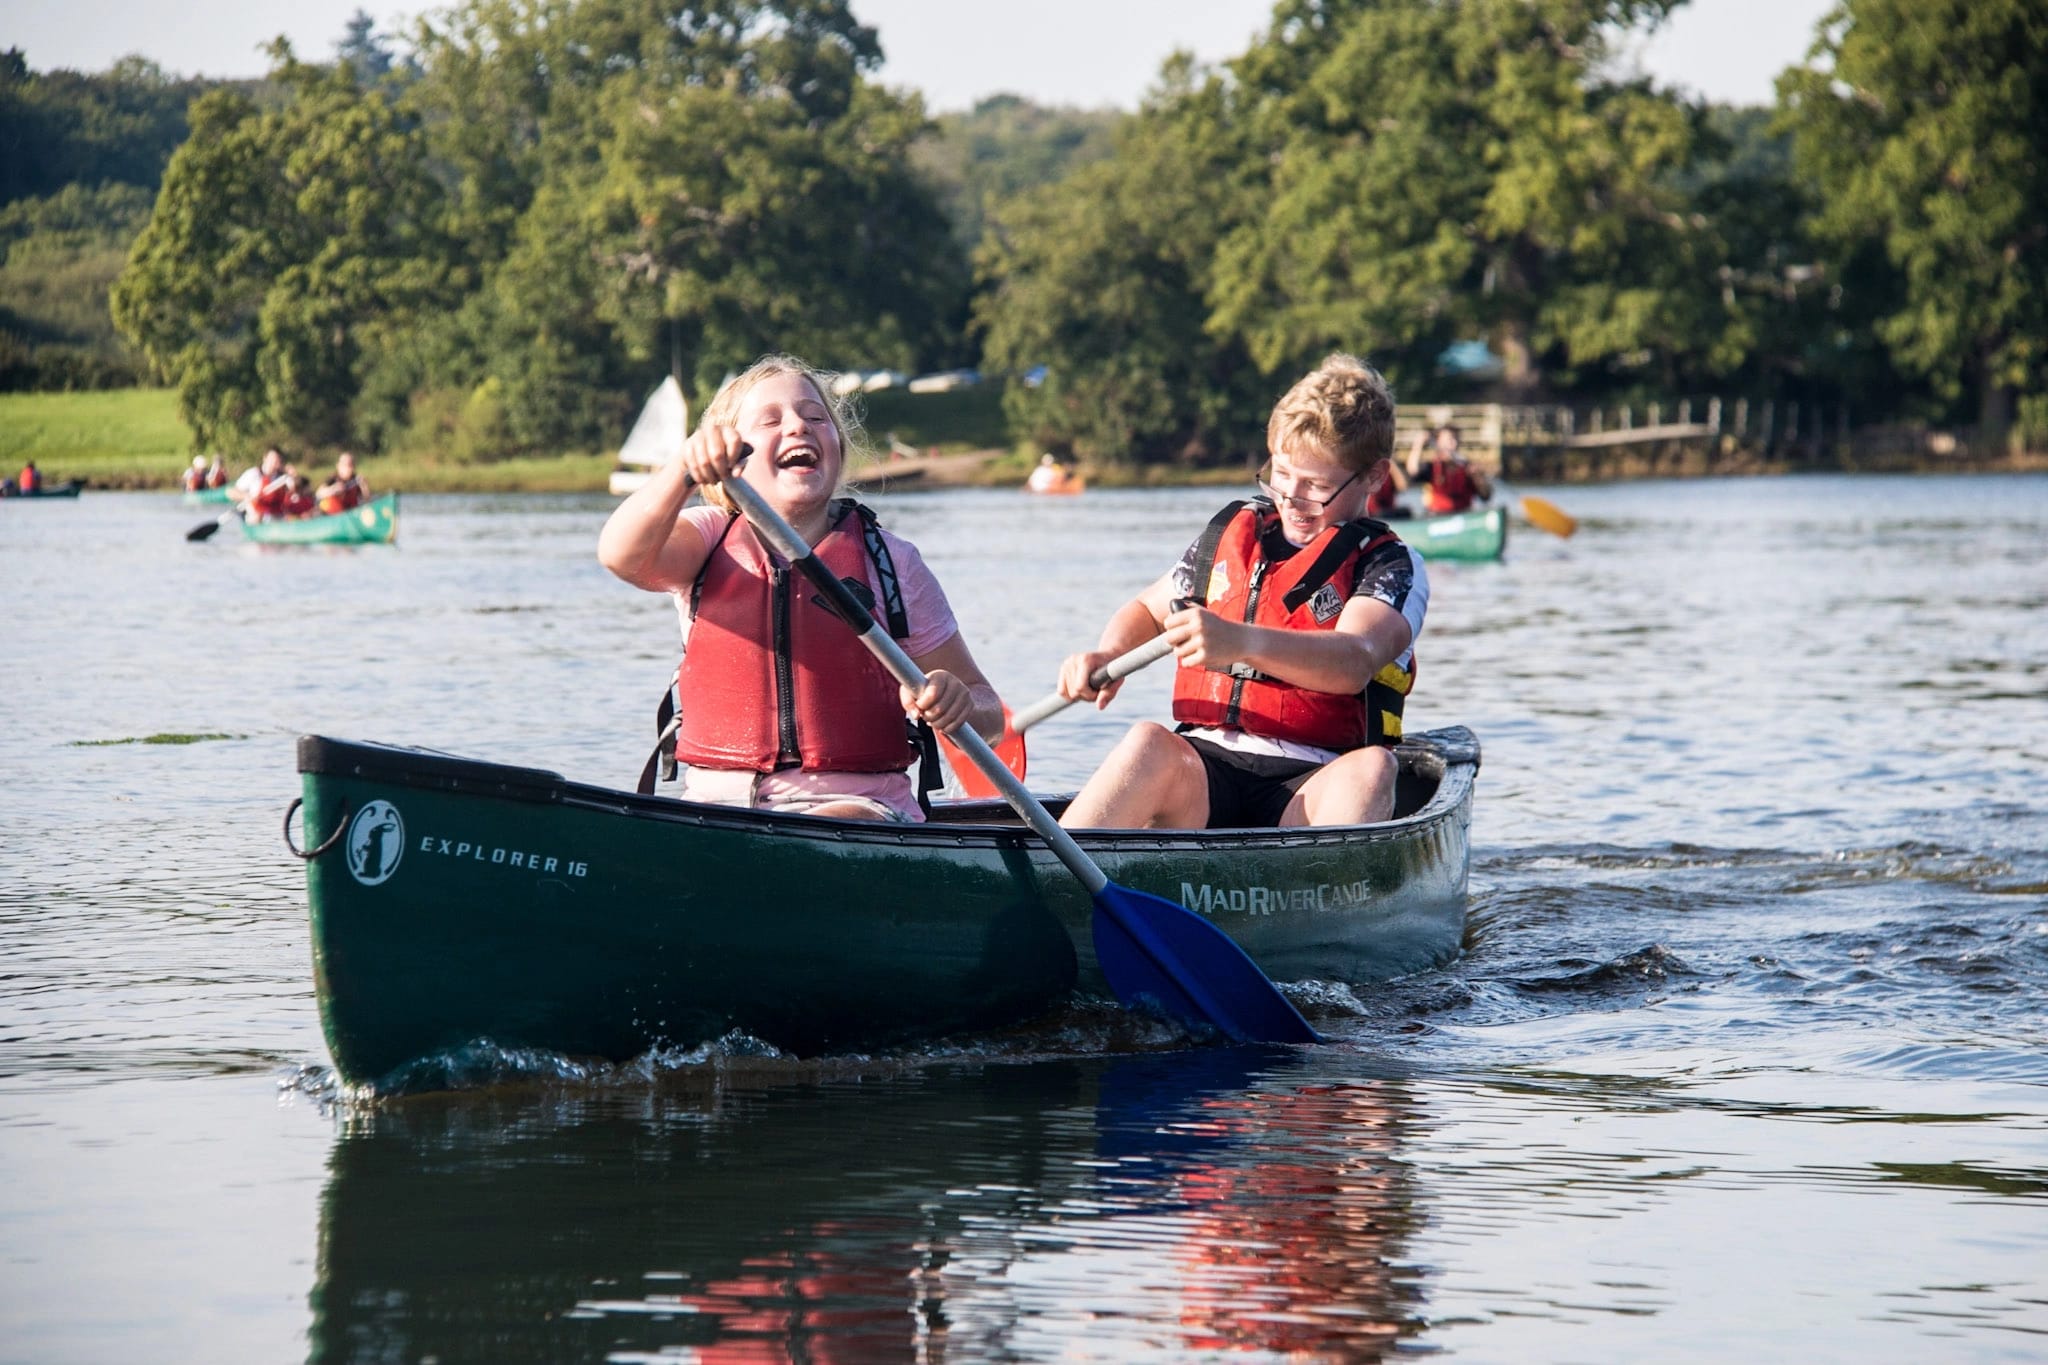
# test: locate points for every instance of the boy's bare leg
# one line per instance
(1354, 788)
(1153, 779)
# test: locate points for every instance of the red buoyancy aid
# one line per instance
(772, 679)
(1304, 591)
(342, 499)
(271, 501)
(1449, 487)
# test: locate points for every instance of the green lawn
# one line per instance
(111, 438)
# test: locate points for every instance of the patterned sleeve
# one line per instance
(1184, 572)
(1394, 574)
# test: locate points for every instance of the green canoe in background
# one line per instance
(206, 497)
(1481, 533)
(374, 523)
(457, 902)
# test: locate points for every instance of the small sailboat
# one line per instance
(656, 436)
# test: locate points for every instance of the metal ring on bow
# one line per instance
(329, 842)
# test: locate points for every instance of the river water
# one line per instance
(1747, 1057)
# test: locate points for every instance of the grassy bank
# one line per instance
(119, 438)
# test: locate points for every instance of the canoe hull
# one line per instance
(1480, 534)
(206, 497)
(467, 901)
(373, 523)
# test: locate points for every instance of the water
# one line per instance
(1746, 1058)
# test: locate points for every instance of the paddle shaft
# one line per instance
(784, 540)
(1122, 666)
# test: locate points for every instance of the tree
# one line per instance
(1104, 281)
(1924, 124)
(280, 240)
(1003, 147)
(1444, 169)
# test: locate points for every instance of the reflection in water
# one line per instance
(1156, 1206)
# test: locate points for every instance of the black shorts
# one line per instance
(1249, 791)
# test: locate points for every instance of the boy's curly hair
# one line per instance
(1342, 409)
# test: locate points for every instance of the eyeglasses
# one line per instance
(1315, 505)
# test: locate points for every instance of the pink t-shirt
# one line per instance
(931, 625)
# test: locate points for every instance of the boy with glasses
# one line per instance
(1293, 618)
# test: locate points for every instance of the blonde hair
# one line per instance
(1343, 408)
(725, 406)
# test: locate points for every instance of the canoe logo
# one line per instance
(376, 841)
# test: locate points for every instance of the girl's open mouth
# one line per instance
(797, 457)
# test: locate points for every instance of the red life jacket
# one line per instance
(31, 479)
(271, 500)
(1243, 577)
(1449, 487)
(773, 680)
(348, 495)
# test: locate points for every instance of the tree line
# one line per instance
(489, 240)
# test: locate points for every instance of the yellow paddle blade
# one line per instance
(1548, 516)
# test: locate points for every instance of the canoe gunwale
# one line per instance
(1450, 756)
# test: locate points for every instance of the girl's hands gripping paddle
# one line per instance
(1152, 951)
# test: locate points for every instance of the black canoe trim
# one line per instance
(1449, 757)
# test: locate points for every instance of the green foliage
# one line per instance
(1103, 280)
(557, 200)
(60, 128)
(58, 257)
(1451, 170)
(279, 240)
(1004, 147)
(1924, 124)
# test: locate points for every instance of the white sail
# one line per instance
(662, 425)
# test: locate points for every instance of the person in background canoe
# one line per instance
(1383, 503)
(195, 474)
(30, 480)
(298, 496)
(782, 706)
(257, 478)
(216, 477)
(1293, 619)
(345, 489)
(1450, 482)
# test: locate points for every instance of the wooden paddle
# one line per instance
(1153, 951)
(1548, 516)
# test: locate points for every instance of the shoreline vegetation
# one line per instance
(132, 439)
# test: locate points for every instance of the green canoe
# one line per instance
(374, 523)
(456, 901)
(1481, 533)
(55, 490)
(206, 497)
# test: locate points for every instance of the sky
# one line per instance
(1090, 53)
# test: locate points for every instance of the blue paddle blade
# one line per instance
(1166, 956)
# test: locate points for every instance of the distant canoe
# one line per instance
(1053, 480)
(205, 497)
(60, 490)
(1481, 533)
(373, 523)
